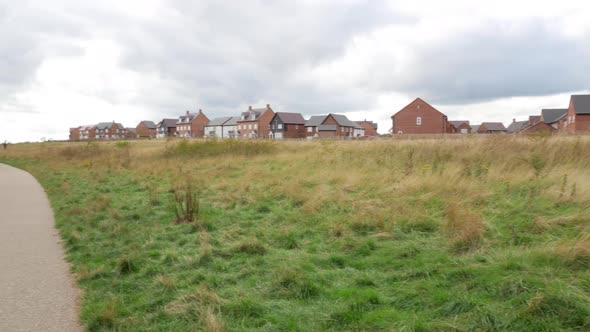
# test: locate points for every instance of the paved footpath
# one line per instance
(37, 290)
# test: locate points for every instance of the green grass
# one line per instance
(261, 260)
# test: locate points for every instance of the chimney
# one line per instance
(250, 108)
(513, 120)
(267, 106)
(200, 110)
(187, 112)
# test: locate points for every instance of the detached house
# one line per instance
(459, 127)
(554, 117)
(191, 125)
(516, 126)
(578, 114)
(370, 127)
(419, 117)
(287, 125)
(491, 128)
(146, 129)
(332, 126)
(166, 128)
(312, 126)
(225, 127)
(255, 123)
(75, 134)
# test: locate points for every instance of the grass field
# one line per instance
(467, 234)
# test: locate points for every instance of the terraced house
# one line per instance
(109, 131)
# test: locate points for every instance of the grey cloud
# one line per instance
(494, 62)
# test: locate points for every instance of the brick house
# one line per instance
(75, 134)
(87, 132)
(285, 125)
(516, 126)
(191, 125)
(459, 127)
(166, 128)
(419, 117)
(110, 131)
(578, 114)
(370, 127)
(130, 133)
(312, 126)
(554, 117)
(538, 127)
(255, 123)
(146, 129)
(491, 128)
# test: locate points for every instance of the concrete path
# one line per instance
(37, 291)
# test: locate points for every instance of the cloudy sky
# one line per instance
(65, 63)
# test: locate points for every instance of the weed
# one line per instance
(186, 204)
(464, 228)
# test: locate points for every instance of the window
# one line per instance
(249, 126)
(296, 126)
(280, 126)
(309, 129)
(256, 126)
(419, 121)
(573, 119)
(418, 106)
(463, 130)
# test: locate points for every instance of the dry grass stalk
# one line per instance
(464, 228)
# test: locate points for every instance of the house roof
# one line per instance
(251, 115)
(459, 123)
(149, 124)
(218, 121)
(189, 116)
(233, 121)
(291, 118)
(534, 118)
(315, 121)
(168, 123)
(516, 126)
(581, 104)
(416, 100)
(551, 115)
(493, 126)
(371, 123)
(327, 128)
(108, 125)
(342, 120)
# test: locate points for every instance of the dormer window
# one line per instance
(418, 121)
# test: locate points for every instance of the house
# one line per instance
(370, 127)
(516, 126)
(230, 128)
(130, 133)
(554, 117)
(75, 134)
(461, 127)
(419, 117)
(146, 129)
(215, 127)
(255, 123)
(336, 126)
(87, 132)
(110, 131)
(287, 125)
(474, 129)
(578, 115)
(311, 126)
(538, 127)
(491, 128)
(166, 128)
(191, 125)
(359, 131)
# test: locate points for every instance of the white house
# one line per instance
(224, 127)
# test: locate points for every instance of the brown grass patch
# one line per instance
(464, 228)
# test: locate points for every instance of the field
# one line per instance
(466, 234)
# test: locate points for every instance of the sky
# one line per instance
(65, 63)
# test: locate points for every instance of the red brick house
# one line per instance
(312, 125)
(109, 131)
(75, 134)
(538, 127)
(192, 125)
(578, 114)
(87, 132)
(146, 129)
(370, 127)
(491, 128)
(166, 128)
(419, 117)
(459, 127)
(255, 123)
(554, 117)
(285, 125)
